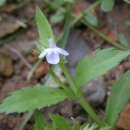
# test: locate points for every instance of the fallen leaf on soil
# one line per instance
(2, 64)
(6, 65)
(8, 25)
(8, 8)
(124, 119)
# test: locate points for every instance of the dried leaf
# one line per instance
(124, 120)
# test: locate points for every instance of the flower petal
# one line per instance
(63, 52)
(43, 53)
(53, 57)
(51, 44)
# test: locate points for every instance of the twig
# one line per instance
(20, 55)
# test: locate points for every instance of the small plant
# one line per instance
(34, 98)
(52, 53)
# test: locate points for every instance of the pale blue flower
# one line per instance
(52, 53)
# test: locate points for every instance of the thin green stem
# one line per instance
(68, 77)
(58, 81)
(23, 3)
(29, 115)
(93, 5)
(53, 6)
(82, 101)
(117, 45)
(86, 106)
(67, 26)
(77, 18)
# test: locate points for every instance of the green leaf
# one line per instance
(89, 127)
(2, 2)
(123, 40)
(105, 128)
(91, 67)
(76, 125)
(127, 23)
(118, 98)
(107, 5)
(91, 19)
(58, 17)
(44, 30)
(127, 1)
(39, 122)
(61, 2)
(51, 127)
(31, 98)
(58, 2)
(60, 122)
(70, 1)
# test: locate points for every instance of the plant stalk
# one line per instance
(61, 84)
(86, 106)
(117, 45)
(68, 77)
(77, 18)
(82, 100)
